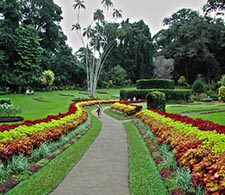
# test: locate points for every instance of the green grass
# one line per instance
(217, 117)
(144, 175)
(182, 108)
(117, 116)
(53, 173)
(51, 102)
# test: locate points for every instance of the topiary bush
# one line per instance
(156, 100)
(222, 93)
(198, 87)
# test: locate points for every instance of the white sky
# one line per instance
(151, 11)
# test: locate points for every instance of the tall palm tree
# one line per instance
(107, 4)
(99, 15)
(117, 13)
(89, 31)
(78, 4)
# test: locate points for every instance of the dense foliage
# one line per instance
(32, 41)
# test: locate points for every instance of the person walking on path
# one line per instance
(99, 110)
(104, 168)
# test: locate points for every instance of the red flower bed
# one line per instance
(72, 109)
(198, 122)
(207, 167)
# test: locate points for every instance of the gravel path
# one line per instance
(103, 170)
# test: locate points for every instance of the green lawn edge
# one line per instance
(144, 176)
(45, 180)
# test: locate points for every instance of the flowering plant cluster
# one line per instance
(125, 107)
(202, 151)
(23, 138)
(200, 123)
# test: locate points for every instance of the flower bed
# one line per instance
(200, 123)
(202, 151)
(22, 138)
(125, 107)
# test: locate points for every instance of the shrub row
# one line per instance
(177, 94)
(155, 84)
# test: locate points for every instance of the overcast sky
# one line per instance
(151, 11)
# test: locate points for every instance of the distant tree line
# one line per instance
(32, 41)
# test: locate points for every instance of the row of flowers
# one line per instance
(200, 123)
(126, 107)
(31, 134)
(162, 161)
(202, 151)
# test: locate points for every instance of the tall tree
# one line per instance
(163, 68)
(9, 22)
(78, 4)
(217, 6)
(97, 46)
(26, 70)
(134, 51)
(192, 43)
(45, 16)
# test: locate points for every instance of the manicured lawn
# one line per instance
(217, 117)
(185, 108)
(144, 175)
(42, 104)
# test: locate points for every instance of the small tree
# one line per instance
(47, 78)
(118, 76)
(182, 81)
(222, 93)
(163, 68)
(198, 87)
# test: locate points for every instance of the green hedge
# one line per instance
(176, 94)
(155, 84)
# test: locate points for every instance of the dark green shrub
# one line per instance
(5, 100)
(214, 96)
(156, 100)
(198, 87)
(155, 84)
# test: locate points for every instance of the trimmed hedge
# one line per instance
(176, 94)
(155, 84)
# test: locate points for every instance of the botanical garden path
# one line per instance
(103, 170)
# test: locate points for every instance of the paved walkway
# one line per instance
(103, 170)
